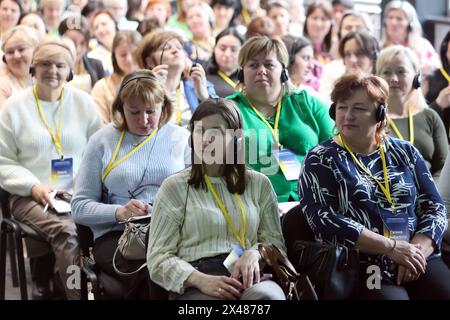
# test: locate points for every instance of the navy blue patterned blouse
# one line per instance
(339, 199)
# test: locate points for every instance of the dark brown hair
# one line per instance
(235, 173)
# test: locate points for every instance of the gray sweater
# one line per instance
(166, 153)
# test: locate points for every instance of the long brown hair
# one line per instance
(234, 173)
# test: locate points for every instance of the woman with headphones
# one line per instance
(209, 219)
(409, 116)
(281, 125)
(402, 27)
(124, 165)
(18, 44)
(44, 131)
(367, 190)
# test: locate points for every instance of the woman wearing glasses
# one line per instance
(44, 131)
(123, 168)
(163, 53)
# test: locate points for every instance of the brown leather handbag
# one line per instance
(295, 286)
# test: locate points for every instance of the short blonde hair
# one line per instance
(27, 35)
(145, 85)
(54, 46)
(387, 54)
(263, 44)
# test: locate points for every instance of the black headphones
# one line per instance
(141, 74)
(33, 72)
(4, 59)
(380, 114)
(417, 81)
(283, 78)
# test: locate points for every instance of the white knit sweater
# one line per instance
(26, 147)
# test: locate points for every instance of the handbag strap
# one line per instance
(125, 273)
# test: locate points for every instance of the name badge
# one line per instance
(396, 228)
(62, 173)
(233, 257)
(288, 162)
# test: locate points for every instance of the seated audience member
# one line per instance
(87, 71)
(118, 9)
(177, 22)
(224, 13)
(200, 20)
(408, 114)
(249, 10)
(52, 13)
(297, 12)
(367, 190)
(18, 44)
(359, 52)
(278, 11)
(402, 27)
(279, 122)
(260, 26)
(10, 11)
(162, 51)
(222, 68)
(193, 229)
(436, 86)
(114, 186)
(351, 21)
(301, 55)
(123, 60)
(44, 132)
(148, 25)
(104, 28)
(160, 10)
(34, 21)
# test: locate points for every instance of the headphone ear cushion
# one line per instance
(240, 75)
(381, 113)
(332, 111)
(70, 76)
(417, 82)
(284, 75)
(32, 71)
(4, 59)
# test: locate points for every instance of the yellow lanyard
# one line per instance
(411, 127)
(445, 74)
(179, 106)
(274, 130)
(384, 188)
(226, 79)
(112, 164)
(56, 138)
(240, 238)
(246, 16)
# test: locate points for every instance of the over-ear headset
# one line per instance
(141, 75)
(283, 78)
(380, 114)
(33, 72)
(417, 81)
(4, 59)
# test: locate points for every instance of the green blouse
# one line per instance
(304, 123)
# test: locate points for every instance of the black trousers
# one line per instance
(137, 285)
(433, 285)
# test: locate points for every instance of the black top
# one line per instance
(223, 89)
(95, 69)
(437, 82)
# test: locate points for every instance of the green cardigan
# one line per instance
(304, 123)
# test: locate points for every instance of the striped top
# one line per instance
(187, 225)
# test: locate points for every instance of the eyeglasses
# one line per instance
(196, 58)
